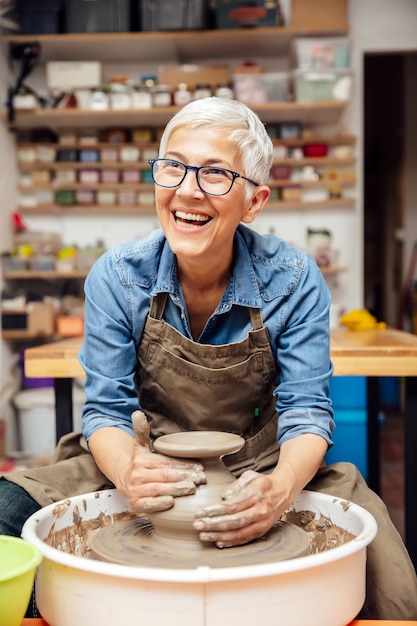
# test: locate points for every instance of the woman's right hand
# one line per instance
(155, 479)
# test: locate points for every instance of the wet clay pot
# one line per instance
(207, 447)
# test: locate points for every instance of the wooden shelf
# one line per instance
(89, 186)
(178, 47)
(333, 203)
(320, 113)
(87, 209)
(277, 184)
(299, 141)
(43, 274)
(22, 335)
(142, 165)
(78, 165)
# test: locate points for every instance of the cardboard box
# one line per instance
(69, 75)
(192, 75)
(319, 15)
(35, 320)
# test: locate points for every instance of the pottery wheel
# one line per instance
(133, 542)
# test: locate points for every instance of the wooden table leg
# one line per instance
(374, 456)
(410, 474)
(63, 406)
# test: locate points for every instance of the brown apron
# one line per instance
(183, 384)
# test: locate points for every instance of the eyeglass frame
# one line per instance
(194, 168)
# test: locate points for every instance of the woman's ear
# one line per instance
(256, 204)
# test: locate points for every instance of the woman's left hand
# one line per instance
(247, 512)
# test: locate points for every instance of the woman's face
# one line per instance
(198, 225)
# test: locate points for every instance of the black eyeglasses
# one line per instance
(216, 181)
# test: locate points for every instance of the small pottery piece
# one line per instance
(208, 447)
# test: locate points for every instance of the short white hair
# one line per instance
(245, 130)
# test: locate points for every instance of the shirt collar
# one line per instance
(243, 288)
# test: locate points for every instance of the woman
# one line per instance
(207, 325)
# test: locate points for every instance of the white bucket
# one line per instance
(36, 418)
(323, 589)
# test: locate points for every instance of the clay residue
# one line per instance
(73, 539)
(324, 535)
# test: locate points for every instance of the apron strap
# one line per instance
(256, 318)
(158, 305)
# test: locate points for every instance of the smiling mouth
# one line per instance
(191, 220)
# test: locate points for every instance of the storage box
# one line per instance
(321, 53)
(261, 88)
(315, 86)
(41, 17)
(319, 15)
(350, 439)
(35, 320)
(192, 75)
(70, 75)
(70, 325)
(236, 14)
(174, 15)
(98, 16)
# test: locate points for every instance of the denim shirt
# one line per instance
(268, 273)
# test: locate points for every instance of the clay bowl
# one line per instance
(324, 589)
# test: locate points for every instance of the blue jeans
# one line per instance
(16, 506)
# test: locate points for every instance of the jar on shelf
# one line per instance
(141, 97)
(319, 245)
(225, 90)
(119, 93)
(182, 95)
(99, 100)
(162, 96)
(202, 90)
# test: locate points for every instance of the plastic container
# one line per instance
(39, 17)
(261, 88)
(319, 86)
(36, 418)
(18, 562)
(174, 15)
(98, 16)
(350, 439)
(348, 392)
(322, 53)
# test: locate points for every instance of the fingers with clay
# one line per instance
(157, 479)
(246, 513)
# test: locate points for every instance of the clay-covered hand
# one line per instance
(248, 511)
(155, 480)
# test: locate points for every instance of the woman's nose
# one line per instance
(189, 184)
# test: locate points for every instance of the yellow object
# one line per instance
(360, 319)
(18, 562)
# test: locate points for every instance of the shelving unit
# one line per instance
(173, 48)
(56, 166)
